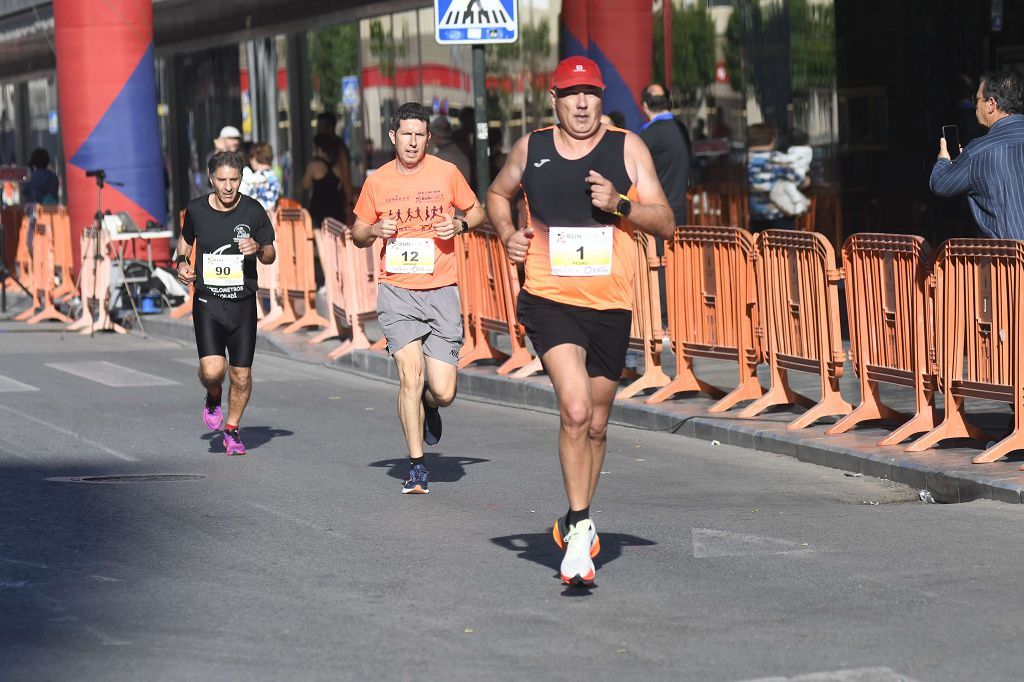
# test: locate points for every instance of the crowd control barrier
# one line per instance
(889, 311)
(488, 287)
(711, 294)
(44, 274)
(647, 333)
(979, 331)
(94, 284)
(718, 205)
(294, 244)
(799, 308)
(63, 257)
(351, 278)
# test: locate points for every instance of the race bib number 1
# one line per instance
(221, 270)
(580, 251)
(410, 255)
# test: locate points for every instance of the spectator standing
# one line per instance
(669, 143)
(990, 170)
(327, 124)
(43, 185)
(259, 180)
(765, 167)
(326, 197)
(445, 148)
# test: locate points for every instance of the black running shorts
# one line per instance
(223, 323)
(603, 334)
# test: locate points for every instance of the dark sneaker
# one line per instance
(560, 530)
(431, 421)
(212, 415)
(233, 443)
(417, 483)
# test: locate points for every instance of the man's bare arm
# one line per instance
(651, 213)
(504, 188)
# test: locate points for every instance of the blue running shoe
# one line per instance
(417, 483)
(431, 421)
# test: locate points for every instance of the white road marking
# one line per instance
(267, 369)
(67, 432)
(718, 543)
(109, 374)
(289, 517)
(853, 675)
(9, 385)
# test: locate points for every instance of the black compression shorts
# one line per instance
(603, 334)
(223, 323)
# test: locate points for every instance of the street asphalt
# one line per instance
(302, 560)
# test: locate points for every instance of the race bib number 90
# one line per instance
(221, 270)
(580, 251)
(410, 255)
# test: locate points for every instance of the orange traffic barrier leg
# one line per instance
(871, 408)
(920, 423)
(529, 369)
(749, 389)
(778, 393)
(519, 358)
(953, 426)
(310, 318)
(685, 381)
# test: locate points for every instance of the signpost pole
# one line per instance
(483, 165)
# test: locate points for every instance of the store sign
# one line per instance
(476, 21)
(350, 91)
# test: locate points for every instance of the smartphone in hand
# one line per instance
(952, 136)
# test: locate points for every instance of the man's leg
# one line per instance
(410, 363)
(211, 373)
(442, 378)
(602, 395)
(566, 366)
(238, 397)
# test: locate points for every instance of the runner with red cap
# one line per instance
(588, 187)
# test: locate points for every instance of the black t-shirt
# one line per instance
(670, 149)
(221, 269)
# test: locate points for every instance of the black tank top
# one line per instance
(556, 188)
(558, 195)
(327, 198)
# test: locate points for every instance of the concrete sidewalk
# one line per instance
(946, 473)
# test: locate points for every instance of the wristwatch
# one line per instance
(624, 206)
(181, 259)
(259, 250)
(464, 224)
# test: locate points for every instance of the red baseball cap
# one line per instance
(574, 71)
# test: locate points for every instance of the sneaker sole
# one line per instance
(577, 580)
(556, 535)
(416, 490)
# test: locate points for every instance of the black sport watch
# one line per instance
(624, 206)
(181, 259)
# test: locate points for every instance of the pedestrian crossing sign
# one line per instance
(476, 21)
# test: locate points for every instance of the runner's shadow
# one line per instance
(541, 549)
(442, 469)
(252, 436)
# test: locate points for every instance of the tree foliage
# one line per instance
(693, 50)
(333, 53)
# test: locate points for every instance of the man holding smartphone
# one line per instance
(990, 170)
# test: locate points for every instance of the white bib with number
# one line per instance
(220, 270)
(410, 255)
(580, 251)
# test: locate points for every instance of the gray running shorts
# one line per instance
(432, 315)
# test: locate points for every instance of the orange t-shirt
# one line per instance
(416, 202)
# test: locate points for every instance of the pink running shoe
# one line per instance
(233, 443)
(212, 415)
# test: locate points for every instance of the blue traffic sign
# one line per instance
(476, 21)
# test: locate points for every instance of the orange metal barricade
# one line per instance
(295, 253)
(646, 333)
(23, 265)
(711, 293)
(489, 285)
(351, 282)
(63, 257)
(979, 332)
(890, 316)
(719, 205)
(799, 308)
(94, 284)
(286, 202)
(43, 276)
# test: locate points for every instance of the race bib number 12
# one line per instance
(410, 255)
(221, 270)
(580, 251)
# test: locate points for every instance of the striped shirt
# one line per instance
(990, 170)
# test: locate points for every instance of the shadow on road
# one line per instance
(252, 436)
(541, 549)
(442, 469)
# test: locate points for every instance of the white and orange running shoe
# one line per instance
(560, 530)
(577, 565)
